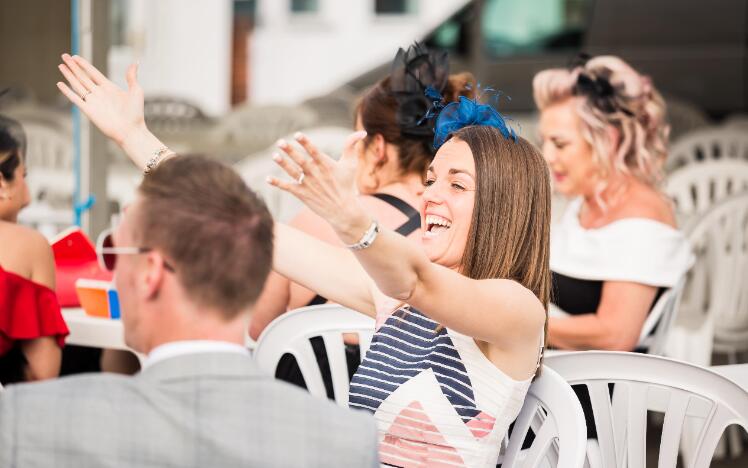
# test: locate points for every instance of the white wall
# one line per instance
(294, 57)
(184, 49)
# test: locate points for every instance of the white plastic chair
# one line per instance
(713, 314)
(551, 408)
(711, 143)
(662, 316)
(644, 382)
(553, 412)
(290, 333)
(48, 147)
(697, 187)
(714, 308)
(737, 121)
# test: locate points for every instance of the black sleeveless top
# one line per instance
(413, 222)
(581, 296)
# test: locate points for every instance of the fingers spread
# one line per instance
(72, 96)
(353, 138)
(79, 73)
(79, 89)
(96, 76)
(310, 148)
(132, 76)
(290, 187)
(290, 168)
(301, 160)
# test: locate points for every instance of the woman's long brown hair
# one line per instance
(510, 230)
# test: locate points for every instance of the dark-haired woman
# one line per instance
(32, 329)
(392, 163)
(460, 321)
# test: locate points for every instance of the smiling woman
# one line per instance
(460, 323)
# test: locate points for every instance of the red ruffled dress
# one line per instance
(28, 310)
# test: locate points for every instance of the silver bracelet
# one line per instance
(368, 238)
(158, 155)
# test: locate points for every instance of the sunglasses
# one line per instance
(107, 253)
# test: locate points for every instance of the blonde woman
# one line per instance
(460, 321)
(616, 248)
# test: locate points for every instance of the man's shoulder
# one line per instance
(81, 386)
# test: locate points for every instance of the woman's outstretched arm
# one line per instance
(498, 311)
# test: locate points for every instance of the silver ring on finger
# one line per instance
(85, 95)
(300, 180)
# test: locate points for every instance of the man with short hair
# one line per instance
(192, 254)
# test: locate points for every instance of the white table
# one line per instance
(95, 332)
(98, 332)
(738, 373)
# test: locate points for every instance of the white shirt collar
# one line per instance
(180, 348)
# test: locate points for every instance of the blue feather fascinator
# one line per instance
(463, 113)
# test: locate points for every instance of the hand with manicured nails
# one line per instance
(326, 186)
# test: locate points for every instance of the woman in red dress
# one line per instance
(32, 329)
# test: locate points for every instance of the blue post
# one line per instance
(79, 207)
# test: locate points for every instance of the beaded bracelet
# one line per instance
(158, 155)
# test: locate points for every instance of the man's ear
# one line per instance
(153, 275)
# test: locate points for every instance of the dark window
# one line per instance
(304, 6)
(511, 27)
(452, 35)
(393, 7)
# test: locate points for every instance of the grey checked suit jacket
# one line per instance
(199, 410)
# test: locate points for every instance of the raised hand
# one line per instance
(326, 186)
(116, 112)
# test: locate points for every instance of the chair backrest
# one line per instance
(48, 147)
(711, 143)
(715, 287)
(290, 333)
(697, 187)
(553, 412)
(165, 114)
(660, 320)
(644, 382)
(739, 121)
(551, 408)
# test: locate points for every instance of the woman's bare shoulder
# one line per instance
(22, 237)
(31, 255)
(648, 203)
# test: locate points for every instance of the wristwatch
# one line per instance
(368, 238)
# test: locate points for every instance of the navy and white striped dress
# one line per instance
(437, 399)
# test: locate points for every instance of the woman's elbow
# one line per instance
(619, 342)
(49, 369)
